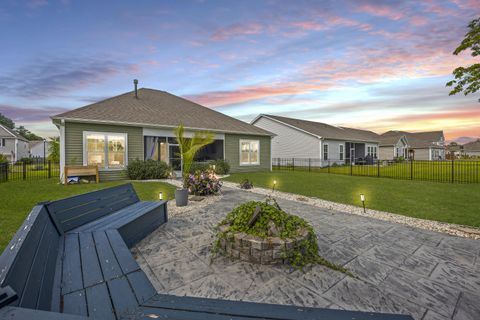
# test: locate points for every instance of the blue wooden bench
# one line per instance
(71, 260)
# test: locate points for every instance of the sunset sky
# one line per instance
(378, 65)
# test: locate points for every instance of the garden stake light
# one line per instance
(160, 196)
(274, 184)
(362, 197)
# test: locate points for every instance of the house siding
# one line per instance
(422, 154)
(74, 145)
(290, 142)
(333, 151)
(9, 148)
(232, 152)
(386, 152)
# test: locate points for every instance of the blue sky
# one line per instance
(378, 65)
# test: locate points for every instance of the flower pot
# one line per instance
(181, 197)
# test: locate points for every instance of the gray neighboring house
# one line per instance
(428, 145)
(139, 125)
(295, 138)
(472, 149)
(40, 148)
(393, 145)
(12, 145)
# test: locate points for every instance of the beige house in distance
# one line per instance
(12, 145)
(393, 145)
(472, 149)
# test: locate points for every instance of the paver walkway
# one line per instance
(401, 269)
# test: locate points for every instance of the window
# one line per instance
(375, 152)
(325, 151)
(341, 151)
(107, 150)
(249, 152)
(156, 148)
(2, 142)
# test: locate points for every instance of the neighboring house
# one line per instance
(115, 131)
(40, 148)
(428, 145)
(295, 138)
(393, 145)
(454, 150)
(12, 145)
(472, 149)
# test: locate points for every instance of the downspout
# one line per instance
(15, 151)
(62, 150)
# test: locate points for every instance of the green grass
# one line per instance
(442, 171)
(19, 197)
(453, 203)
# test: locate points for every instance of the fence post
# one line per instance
(453, 170)
(293, 164)
(309, 164)
(351, 167)
(411, 169)
(378, 168)
(49, 169)
(328, 166)
(24, 167)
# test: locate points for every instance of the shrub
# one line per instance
(199, 166)
(221, 166)
(203, 184)
(3, 159)
(150, 169)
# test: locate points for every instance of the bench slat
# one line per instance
(14, 313)
(72, 271)
(75, 303)
(149, 313)
(40, 277)
(122, 296)
(123, 255)
(98, 302)
(261, 310)
(24, 260)
(92, 273)
(142, 287)
(108, 262)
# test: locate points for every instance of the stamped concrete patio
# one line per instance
(401, 269)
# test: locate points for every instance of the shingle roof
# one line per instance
(159, 108)
(419, 139)
(10, 133)
(472, 146)
(391, 138)
(328, 131)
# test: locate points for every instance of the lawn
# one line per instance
(19, 197)
(453, 203)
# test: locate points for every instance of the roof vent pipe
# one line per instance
(135, 82)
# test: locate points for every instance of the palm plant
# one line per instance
(189, 148)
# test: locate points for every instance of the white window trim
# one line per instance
(341, 151)
(105, 168)
(323, 151)
(2, 142)
(242, 164)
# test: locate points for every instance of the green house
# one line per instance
(139, 125)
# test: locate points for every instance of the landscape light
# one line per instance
(274, 184)
(160, 195)
(362, 197)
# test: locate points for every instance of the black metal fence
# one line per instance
(31, 169)
(453, 171)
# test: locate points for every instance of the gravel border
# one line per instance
(448, 228)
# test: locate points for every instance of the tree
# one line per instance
(189, 147)
(467, 79)
(6, 121)
(27, 134)
(54, 149)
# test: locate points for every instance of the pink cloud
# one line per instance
(309, 25)
(381, 11)
(249, 93)
(418, 20)
(236, 30)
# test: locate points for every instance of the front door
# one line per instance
(174, 157)
(352, 154)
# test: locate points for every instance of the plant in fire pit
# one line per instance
(203, 183)
(261, 232)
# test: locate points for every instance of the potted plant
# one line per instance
(189, 147)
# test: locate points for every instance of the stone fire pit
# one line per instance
(270, 250)
(261, 232)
